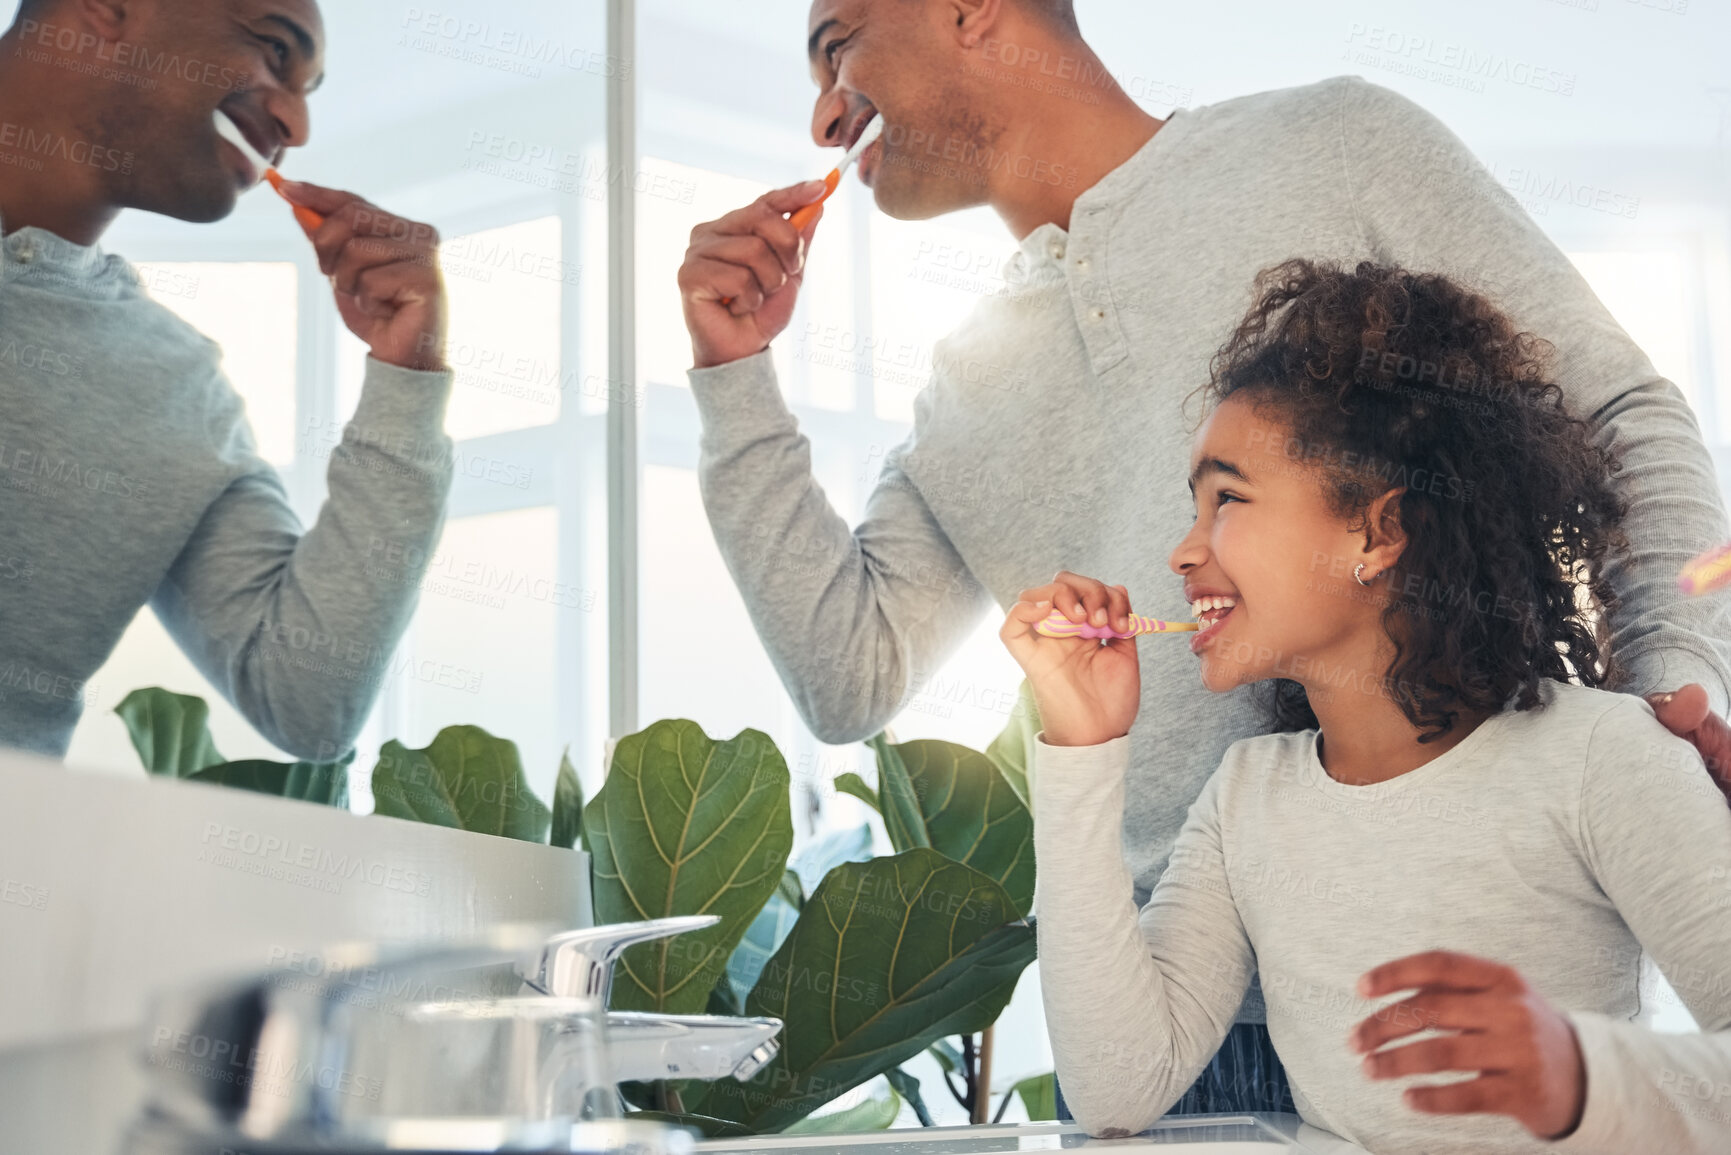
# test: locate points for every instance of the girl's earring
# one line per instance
(1359, 574)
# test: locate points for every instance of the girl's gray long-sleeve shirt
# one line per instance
(129, 475)
(1560, 841)
(1053, 433)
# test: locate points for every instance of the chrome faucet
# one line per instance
(579, 963)
(497, 1045)
(646, 1045)
(386, 1049)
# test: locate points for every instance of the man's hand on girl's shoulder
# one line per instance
(1686, 714)
(1526, 1051)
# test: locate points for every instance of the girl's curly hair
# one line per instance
(1387, 378)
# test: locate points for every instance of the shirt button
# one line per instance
(1099, 314)
(26, 253)
(1081, 262)
(1057, 252)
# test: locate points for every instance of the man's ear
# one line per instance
(973, 19)
(104, 18)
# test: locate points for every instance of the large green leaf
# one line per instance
(1040, 1096)
(765, 934)
(172, 736)
(567, 805)
(707, 1128)
(170, 731)
(908, 1087)
(686, 825)
(948, 1055)
(724, 997)
(326, 783)
(851, 783)
(875, 1114)
(968, 811)
(887, 958)
(1013, 750)
(467, 779)
(824, 854)
(898, 798)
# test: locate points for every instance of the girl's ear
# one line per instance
(1384, 536)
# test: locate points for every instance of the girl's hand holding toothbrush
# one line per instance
(1088, 691)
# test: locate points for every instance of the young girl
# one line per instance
(1452, 868)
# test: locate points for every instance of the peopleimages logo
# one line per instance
(120, 60)
(522, 50)
(55, 363)
(1458, 65)
(57, 146)
(264, 1070)
(291, 854)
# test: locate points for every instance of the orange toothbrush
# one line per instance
(801, 217)
(873, 130)
(309, 220)
(229, 131)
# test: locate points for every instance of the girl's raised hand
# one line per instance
(1525, 1052)
(1087, 691)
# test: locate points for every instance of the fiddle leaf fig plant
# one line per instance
(171, 733)
(1012, 751)
(887, 957)
(567, 805)
(465, 779)
(686, 825)
(963, 807)
(853, 784)
(898, 798)
(762, 939)
(326, 783)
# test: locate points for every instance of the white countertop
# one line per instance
(1205, 1135)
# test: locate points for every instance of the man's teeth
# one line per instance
(1204, 605)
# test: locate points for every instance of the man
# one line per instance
(128, 473)
(1052, 436)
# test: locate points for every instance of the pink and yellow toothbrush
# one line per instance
(1711, 571)
(1060, 626)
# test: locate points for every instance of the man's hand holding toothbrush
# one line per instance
(383, 268)
(741, 276)
(1088, 691)
(742, 273)
(384, 272)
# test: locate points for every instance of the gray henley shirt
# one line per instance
(1053, 434)
(129, 475)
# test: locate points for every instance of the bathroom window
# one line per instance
(250, 308)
